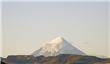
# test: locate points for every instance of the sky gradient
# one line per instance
(27, 25)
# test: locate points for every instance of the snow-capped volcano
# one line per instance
(57, 46)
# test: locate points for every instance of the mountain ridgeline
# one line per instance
(59, 59)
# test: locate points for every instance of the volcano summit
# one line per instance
(56, 47)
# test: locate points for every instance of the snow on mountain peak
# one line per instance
(57, 40)
(57, 46)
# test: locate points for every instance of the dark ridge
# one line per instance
(59, 59)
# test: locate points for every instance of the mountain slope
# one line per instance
(57, 46)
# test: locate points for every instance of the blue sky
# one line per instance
(27, 25)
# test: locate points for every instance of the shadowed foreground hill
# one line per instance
(60, 59)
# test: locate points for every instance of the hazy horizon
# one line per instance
(27, 25)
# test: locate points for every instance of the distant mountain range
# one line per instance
(57, 51)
